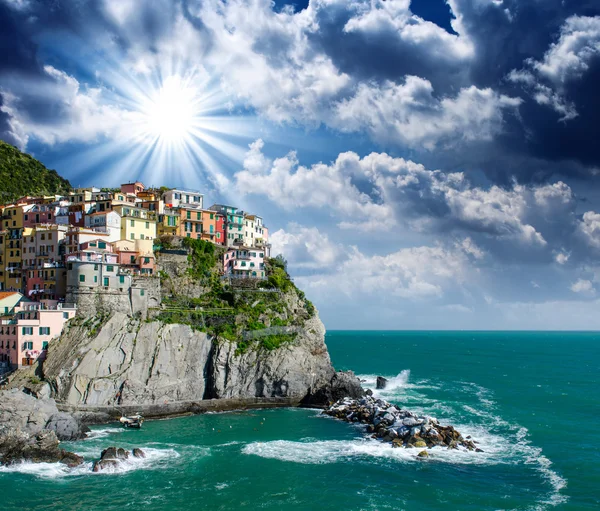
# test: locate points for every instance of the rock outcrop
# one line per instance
(130, 362)
(399, 427)
(31, 430)
(381, 383)
(112, 457)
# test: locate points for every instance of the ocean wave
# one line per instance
(332, 451)
(155, 458)
(95, 434)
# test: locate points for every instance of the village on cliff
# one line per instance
(56, 250)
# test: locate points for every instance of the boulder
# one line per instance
(423, 454)
(381, 383)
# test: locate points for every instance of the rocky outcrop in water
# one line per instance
(399, 427)
(380, 383)
(31, 430)
(112, 457)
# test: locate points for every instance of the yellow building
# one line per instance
(168, 223)
(136, 223)
(11, 278)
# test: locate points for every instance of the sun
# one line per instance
(171, 110)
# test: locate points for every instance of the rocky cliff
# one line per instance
(209, 345)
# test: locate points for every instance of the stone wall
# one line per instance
(135, 300)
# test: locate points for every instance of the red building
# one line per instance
(220, 238)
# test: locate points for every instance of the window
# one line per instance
(132, 236)
(261, 255)
(212, 216)
(146, 260)
(132, 259)
(198, 227)
(26, 217)
(110, 268)
(198, 216)
(45, 345)
(102, 244)
(142, 292)
(243, 263)
(95, 279)
(122, 279)
(44, 330)
(65, 315)
(28, 345)
(189, 215)
(95, 267)
(132, 223)
(106, 282)
(212, 229)
(81, 278)
(147, 225)
(27, 330)
(142, 237)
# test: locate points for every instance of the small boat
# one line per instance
(135, 421)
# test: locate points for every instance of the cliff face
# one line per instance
(208, 345)
(126, 361)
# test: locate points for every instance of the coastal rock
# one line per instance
(381, 382)
(112, 457)
(389, 423)
(423, 454)
(31, 430)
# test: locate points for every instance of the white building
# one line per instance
(180, 198)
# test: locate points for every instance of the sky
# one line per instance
(422, 164)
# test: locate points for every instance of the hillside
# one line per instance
(21, 174)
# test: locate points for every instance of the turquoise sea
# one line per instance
(532, 400)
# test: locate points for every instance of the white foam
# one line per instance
(94, 434)
(332, 451)
(155, 458)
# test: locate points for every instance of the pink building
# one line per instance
(133, 188)
(244, 262)
(25, 336)
(39, 214)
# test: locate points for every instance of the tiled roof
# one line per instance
(6, 294)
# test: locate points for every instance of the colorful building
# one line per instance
(220, 230)
(39, 214)
(136, 223)
(133, 188)
(180, 197)
(234, 224)
(11, 234)
(43, 255)
(168, 223)
(25, 336)
(244, 262)
(108, 222)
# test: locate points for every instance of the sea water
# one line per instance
(531, 400)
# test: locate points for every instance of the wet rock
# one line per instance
(423, 454)
(420, 443)
(138, 453)
(381, 383)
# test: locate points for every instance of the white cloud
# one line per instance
(562, 257)
(582, 286)
(306, 247)
(79, 114)
(403, 192)
(393, 18)
(566, 60)
(410, 114)
(570, 56)
(589, 227)
(426, 272)
(292, 186)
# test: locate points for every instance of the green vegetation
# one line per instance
(253, 319)
(21, 174)
(202, 257)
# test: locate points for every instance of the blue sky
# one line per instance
(425, 164)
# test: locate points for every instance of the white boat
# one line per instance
(135, 421)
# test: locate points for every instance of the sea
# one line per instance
(531, 400)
